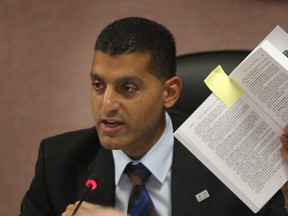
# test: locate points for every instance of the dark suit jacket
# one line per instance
(66, 161)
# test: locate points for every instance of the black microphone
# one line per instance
(91, 184)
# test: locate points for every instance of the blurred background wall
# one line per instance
(46, 48)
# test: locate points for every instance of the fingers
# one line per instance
(284, 152)
(109, 212)
(284, 141)
(284, 190)
(88, 209)
(84, 208)
(69, 210)
(284, 137)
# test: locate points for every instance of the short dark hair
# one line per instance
(140, 35)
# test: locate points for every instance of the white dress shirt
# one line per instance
(158, 160)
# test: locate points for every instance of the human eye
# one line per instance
(98, 85)
(129, 88)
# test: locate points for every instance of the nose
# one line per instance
(110, 103)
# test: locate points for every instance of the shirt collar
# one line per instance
(158, 159)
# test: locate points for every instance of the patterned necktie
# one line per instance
(140, 203)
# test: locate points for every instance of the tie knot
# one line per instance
(137, 173)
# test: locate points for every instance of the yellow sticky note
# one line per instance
(223, 87)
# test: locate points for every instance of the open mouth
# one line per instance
(111, 126)
(108, 123)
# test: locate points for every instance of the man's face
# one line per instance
(127, 102)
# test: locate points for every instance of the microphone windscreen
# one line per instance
(91, 183)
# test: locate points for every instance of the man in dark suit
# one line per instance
(133, 87)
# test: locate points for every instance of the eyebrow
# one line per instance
(124, 79)
(94, 76)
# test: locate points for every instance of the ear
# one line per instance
(172, 91)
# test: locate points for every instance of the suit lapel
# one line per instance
(102, 170)
(189, 179)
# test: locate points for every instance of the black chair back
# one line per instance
(194, 68)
